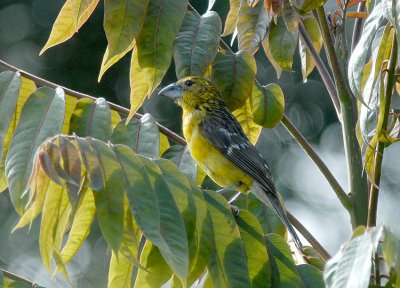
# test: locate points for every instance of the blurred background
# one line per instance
(24, 28)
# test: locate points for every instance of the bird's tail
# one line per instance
(269, 199)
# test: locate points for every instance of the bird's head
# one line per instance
(193, 92)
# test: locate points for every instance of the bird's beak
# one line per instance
(172, 90)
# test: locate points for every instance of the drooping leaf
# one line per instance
(91, 118)
(314, 258)
(154, 44)
(64, 27)
(231, 18)
(123, 20)
(268, 53)
(142, 136)
(78, 9)
(246, 120)
(307, 62)
(234, 74)
(41, 117)
(228, 264)
(120, 271)
(197, 43)
(282, 44)
(310, 276)
(290, 16)
(309, 5)
(267, 104)
(252, 25)
(273, 8)
(70, 104)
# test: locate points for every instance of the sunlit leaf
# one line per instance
(307, 61)
(120, 271)
(41, 117)
(164, 144)
(91, 118)
(252, 25)
(196, 43)
(268, 53)
(228, 264)
(267, 104)
(152, 55)
(309, 5)
(70, 103)
(234, 74)
(210, 4)
(78, 9)
(64, 27)
(231, 18)
(246, 120)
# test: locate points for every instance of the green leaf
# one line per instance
(282, 44)
(284, 272)
(120, 271)
(309, 5)
(311, 276)
(142, 136)
(157, 270)
(252, 25)
(314, 258)
(234, 74)
(152, 56)
(290, 16)
(154, 208)
(267, 104)
(231, 18)
(307, 62)
(91, 118)
(268, 53)
(110, 198)
(228, 264)
(123, 20)
(254, 246)
(65, 26)
(196, 43)
(245, 118)
(41, 117)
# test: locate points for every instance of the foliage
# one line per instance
(75, 161)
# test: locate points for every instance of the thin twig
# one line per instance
(123, 111)
(14, 277)
(309, 237)
(340, 193)
(326, 78)
(374, 192)
(357, 27)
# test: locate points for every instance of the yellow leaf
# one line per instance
(164, 143)
(70, 103)
(245, 118)
(120, 271)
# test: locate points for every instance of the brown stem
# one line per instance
(14, 277)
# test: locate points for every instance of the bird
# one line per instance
(220, 147)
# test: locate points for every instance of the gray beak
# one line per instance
(172, 90)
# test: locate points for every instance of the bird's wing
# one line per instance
(222, 129)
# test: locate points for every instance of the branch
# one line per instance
(122, 110)
(340, 193)
(355, 171)
(14, 277)
(326, 78)
(390, 82)
(357, 27)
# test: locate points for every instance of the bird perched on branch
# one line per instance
(218, 144)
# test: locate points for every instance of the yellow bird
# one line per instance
(218, 144)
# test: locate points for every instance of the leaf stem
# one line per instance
(355, 171)
(14, 277)
(357, 27)
(374, 192)
(122, 110)
(340, 193)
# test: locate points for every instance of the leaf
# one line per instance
(42, 116)
(354, 14)
(196, 43)
(228, 264)
(142, 136)
(234, 74)
(157, 270)
(231, 18)
(309, 5)
(252, 26)
(64, 26)
(311, 276)
(282, 44)
(314, 258)
(180, 156)
(78, 8)
(254, 246)
(110, 198)
(284, 272)
(268, 53)
(290, 16)
(154, 209)
(70, 104)
(152, 56)
(210, 4)
(91, 118)
(307, 61)
(123, 20)
(272, 8)
(120, 271)
(267, 104)
(245, 118)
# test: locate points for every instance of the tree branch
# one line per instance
(14, 277)
(340, 193)
(355, 171)
(122, 110)
(374, 192)
(357, 27)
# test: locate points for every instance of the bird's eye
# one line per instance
(189, 83)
